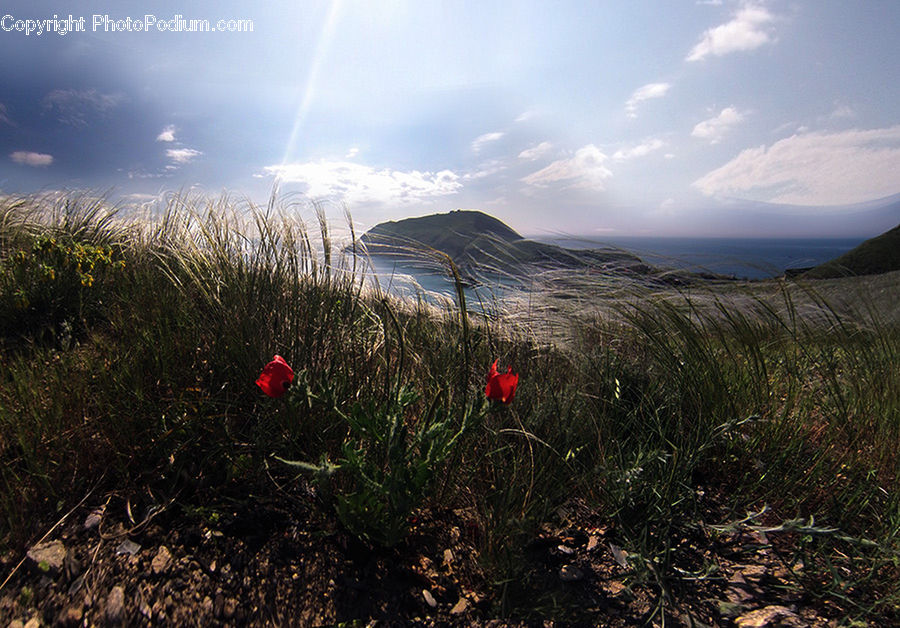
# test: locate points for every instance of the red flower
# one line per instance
(501, 386)
(276, 377)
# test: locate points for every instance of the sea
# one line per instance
(740, 258)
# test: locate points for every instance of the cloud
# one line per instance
(74, 107)
(535, 151)
(715, 128)
(357, 183)
(526, 115)
(4, 119)
(182, 155)
(651, 90)
(37, 160)
(167, 134)
(813, 169)
(641, 150)
(479, 142)
(487, 169)
(353, 152)
(745, 32)
(586, 170)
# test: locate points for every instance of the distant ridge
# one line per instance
(477, 242)
(877, 255)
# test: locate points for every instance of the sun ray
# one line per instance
(309, 90)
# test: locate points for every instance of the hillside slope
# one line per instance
(477, 242)
(880, 254)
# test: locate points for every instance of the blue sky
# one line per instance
(596, 118)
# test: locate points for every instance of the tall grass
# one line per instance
(667, 414)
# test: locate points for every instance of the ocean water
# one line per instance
(744, 258)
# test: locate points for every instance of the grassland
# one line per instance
(652, 434)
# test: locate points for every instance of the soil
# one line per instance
(284, 561)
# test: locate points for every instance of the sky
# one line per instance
(662, 117)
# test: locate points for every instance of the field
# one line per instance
(722, 454)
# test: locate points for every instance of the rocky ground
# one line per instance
(286, 563)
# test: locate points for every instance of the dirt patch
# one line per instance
(287, 562)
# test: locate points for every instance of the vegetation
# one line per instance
(671, 418)
(880, 254)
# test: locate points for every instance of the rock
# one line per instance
(93, 520)
(570, 573)
(460, 607)
(48, 557)
(565, 550)
(620, 555)
(768, 616)
(230, 608)
(592, 543)
(16, 623)
(115, 605)
(128, 547)
(34, 622)
(161, 561)
(70, 616)
(448, 558)
(429, 598)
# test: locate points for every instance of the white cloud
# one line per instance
(487, 169)
(182, 155)
(167, 134)
(526, 115)
(813, 169)
(648, 91)
(353, 152)
(715, 128)
(479, 142)
(746, 31)
(536, 151)
(4, 119)
(586, 170)
(641, 150)
(37, 160)
(356, 183)
(74, 107)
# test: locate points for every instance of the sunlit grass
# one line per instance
(665, 411)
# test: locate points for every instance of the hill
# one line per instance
(477, 242)
(880, 254)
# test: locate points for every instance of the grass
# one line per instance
(670, 415)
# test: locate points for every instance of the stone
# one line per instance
(570, 573)
(93, 520)
(115, 605)
(429, 598)
(70, 616)
(768, 616)
(48, 557)
(161, 561)
(460, 607)
(128, 547)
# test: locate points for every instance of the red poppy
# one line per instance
(276, 377)
(501, 386)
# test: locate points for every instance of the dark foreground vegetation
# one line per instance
(698, 459)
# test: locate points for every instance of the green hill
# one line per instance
(476, 241)
(878, 255)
